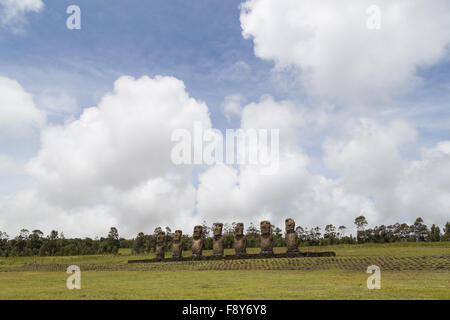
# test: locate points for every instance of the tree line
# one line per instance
(34, 243)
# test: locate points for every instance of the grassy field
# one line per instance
(408, 271)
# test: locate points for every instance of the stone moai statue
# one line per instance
(197, 242)
(266, 238)
(218, 240)
(291, 236)
(160, 249)
(240, 241)
(177, 246)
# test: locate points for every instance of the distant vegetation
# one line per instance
(34, 243)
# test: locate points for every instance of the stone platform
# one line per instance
(238, 257)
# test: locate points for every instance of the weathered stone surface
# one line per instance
(218, 240)
(266, 238)
(160, 249)
(197, 242)
(177, 246)
(247, 256)
(291, 237)
(240, 241)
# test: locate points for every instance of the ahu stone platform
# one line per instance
(237, 257)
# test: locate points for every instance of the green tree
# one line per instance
(112, 241)
(446, 235)
(252, 234)
(330, 233)
(139, 243)
(341, 232)
(205, 230)
(361, 224)
(228, 235)
(278, 239)
(36, 240)
(420, 230)
(302, 234)
(435, 233)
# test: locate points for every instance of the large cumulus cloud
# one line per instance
(292, 191)
(114, 161)
(338, 56)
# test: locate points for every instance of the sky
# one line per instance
(86, 115)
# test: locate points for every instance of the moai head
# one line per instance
(291, 237)
(240, 242)
(160, 245)
(265, 228)
(177, 235)
(218, 240)
(239, 229)
(218, 229)
(290, 225)
(198, 230)
(177, 246)
(161, 237)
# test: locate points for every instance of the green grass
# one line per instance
(408, 271)
(236, 284)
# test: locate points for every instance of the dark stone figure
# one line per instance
(266, 238)
(291, 236)
(197, 242)
(160, 249)
(218, 240)
(177, 246)
(240, 241)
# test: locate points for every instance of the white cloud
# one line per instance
(12, 12)
(232, 106)
(8, 166)
(292, 192)
(28, 209)
(339, 57)
(369, 157)
(112, 165)
(18, 113)
(371, 174)
(57, 103)
(369, 163)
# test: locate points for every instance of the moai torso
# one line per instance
(266, 238)
(240, 241)
(177, 246)
(160, 249)
(218, 240)
(197, 242)
(291, 236)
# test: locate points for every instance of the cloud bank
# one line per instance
(112, 166)
(12, 12)
(338, 56)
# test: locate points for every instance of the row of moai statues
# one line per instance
(240, 240)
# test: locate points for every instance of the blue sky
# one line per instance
(201, 43)
(198, 42)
